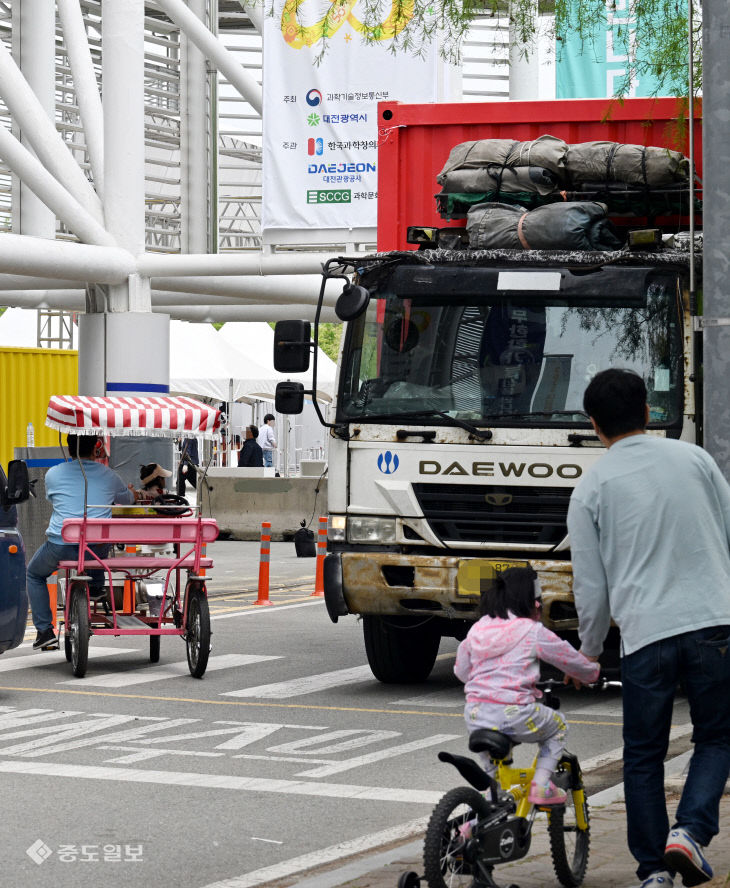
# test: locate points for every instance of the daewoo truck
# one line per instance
(458, 430)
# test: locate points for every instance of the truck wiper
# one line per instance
(481, 434)
(528, 413)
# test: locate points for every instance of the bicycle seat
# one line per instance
(497, 744)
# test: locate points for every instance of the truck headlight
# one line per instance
(371, 530)
(337, 528)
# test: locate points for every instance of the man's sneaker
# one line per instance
(661, 879)
(45, 639)
(684, 855)
(546, 795)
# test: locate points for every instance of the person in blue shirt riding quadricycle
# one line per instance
(649, 528)
(65, 490)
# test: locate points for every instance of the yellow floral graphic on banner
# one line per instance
(339, 13)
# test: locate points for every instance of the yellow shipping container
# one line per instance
(28, 378)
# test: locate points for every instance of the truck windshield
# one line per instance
(520, 359)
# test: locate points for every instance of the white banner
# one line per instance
(320, 149)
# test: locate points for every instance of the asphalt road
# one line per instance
(286, 755)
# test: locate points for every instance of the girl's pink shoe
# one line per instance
(546, 795)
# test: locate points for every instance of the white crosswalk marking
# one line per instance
(451, 698)
(159, 673)
(46, 658)
(308, 684)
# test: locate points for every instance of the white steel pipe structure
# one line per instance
(214, 50)
(36, 49)
(20, 254)
(41, 134)
(122, 48)
(194, 209)
(87, 91)
(53, 195)
(303, 289)
(169, 265)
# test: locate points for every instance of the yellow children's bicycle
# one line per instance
(472, 830)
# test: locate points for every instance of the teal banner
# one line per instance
(597, 68)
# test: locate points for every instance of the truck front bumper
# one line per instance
(388, 583)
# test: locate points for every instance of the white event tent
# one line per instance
(257, 340)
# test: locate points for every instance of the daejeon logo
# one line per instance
(313, 97)
(340, 13)
(388, 462)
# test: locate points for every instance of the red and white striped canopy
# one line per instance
(163, 417)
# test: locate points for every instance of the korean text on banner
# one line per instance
(320, 112)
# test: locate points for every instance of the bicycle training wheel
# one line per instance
(444, 861)
(198, 631)
(569, 845)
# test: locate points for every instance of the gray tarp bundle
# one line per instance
(575, 225)
(550, 163)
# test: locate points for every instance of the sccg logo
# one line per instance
(343, 195)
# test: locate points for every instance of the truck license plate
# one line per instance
(472, 571)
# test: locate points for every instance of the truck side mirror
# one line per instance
(352, 302)
(289, 397)
(16, 488)
(292, 346)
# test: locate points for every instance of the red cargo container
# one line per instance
(415, 140)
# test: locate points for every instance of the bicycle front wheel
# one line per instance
(569, 841)
(445, 863)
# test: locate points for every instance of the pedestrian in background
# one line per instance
(649, 529)
(268, 439)
(189, 460)
(251, 455)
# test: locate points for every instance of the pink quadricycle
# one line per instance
(160, 546)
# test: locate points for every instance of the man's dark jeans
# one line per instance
(699, 662)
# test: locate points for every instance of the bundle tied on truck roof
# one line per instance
(629, 178)
(578, 225)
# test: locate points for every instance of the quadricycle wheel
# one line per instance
(445, 851)
(198, 633)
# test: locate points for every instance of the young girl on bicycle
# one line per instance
(498, 662)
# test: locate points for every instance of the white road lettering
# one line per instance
(392, 752)
(82, 730)
(314, 745)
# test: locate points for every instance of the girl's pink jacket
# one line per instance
(498, 661)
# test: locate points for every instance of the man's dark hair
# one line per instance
(254, 430)
(616, 399)
(269, 416)
(81, 445)
(512, 591)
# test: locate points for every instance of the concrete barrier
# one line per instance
(240, 500)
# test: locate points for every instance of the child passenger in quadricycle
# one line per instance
(499, 663)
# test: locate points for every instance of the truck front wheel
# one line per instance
(400, 650)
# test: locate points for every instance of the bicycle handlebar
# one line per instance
(601, 684)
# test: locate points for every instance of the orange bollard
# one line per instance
(128, 598)
(52, 583)
(264, 563)
(321, 552)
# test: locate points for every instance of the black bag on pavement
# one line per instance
(304, 543)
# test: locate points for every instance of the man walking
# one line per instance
(268, 439)
(649, 529)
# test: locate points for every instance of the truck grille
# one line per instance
(462, 513)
